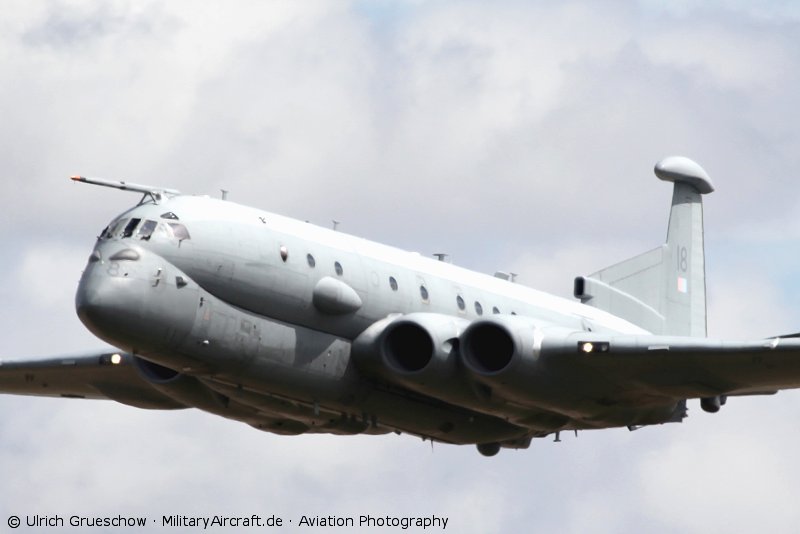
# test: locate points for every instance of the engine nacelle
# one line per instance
(181, 388)
(504, 352)
(418, 350)
(500, 344)
(192, 393)
(424, 353)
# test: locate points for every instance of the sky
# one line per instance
(515, 136)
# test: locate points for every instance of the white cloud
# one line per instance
(723, 476)
(47, 275)
(726, 56)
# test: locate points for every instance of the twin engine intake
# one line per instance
(448, 356)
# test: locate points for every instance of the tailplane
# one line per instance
(663, 290)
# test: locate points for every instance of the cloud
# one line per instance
(722, 478)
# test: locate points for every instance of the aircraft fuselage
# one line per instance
(269, 320)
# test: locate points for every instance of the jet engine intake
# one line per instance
(155, 373)
(497, 344)
(407, 347)
(510, 356)
(421, 343)
(182, 388)
(192, 393)
(418, 350)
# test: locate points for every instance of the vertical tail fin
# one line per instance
(685, 307)
(663, 290)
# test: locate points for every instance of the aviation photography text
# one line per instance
(368, 522)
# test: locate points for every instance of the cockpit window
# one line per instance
(146, 230)
(169, 215)
(131, 226)
(113, 228)
(179, 231)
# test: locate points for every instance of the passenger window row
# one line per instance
(423, 291)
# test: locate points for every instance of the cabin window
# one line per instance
(495, 310)
(460, 302)
(147, 229)
(423, 292)
(393, 283)
(130, 227)
(284, 253)
(179, 231)
(478, 308)
(311, 261)
(338, 268)
(513, 313)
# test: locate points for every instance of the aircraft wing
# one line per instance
(685, 367)
(99, 375)
(616, 369)
(115, 376)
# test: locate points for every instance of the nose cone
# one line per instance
(109, 306)
(132, 299)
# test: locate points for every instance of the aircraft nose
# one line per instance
(135, 299)
(108, 306)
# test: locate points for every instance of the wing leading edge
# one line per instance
(98, 375)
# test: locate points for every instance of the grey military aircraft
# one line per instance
(293, 328)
